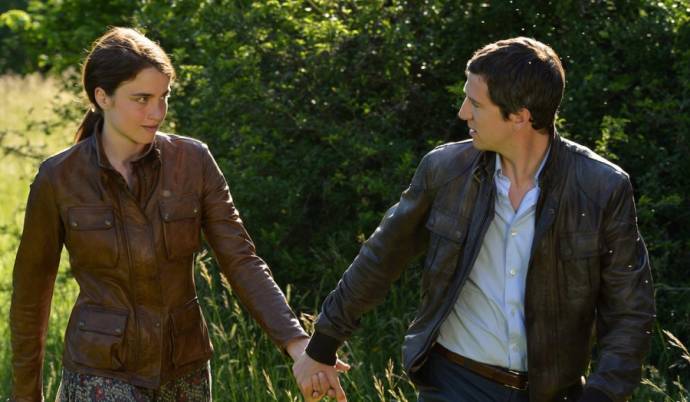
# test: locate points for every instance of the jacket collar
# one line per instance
(550, 170)
(151, 153)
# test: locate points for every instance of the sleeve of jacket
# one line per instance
(248, 274)
(33, 278)
(399, 237)
(625, 305)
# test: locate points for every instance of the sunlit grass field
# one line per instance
(26, 112)
(246, 365)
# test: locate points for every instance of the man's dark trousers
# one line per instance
(449, 382)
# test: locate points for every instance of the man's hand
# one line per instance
(316, 380)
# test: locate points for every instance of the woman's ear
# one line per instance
(102, 98)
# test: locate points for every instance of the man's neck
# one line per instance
(522, 159)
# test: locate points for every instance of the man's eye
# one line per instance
(141, 99)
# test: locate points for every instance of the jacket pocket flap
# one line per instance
(181, 208)
(90, 218)
(102, 320)
(449, 226)
(186, 317)
(579, 245)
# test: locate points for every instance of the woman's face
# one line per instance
(137, 108)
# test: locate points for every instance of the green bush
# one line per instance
(318, 111)
(12, 19)
(53, 35)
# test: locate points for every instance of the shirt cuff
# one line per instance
(322, 348)
(591, 394)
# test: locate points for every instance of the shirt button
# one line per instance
(158, 325)
(514, 347)
(512, 311)
(513, 233)
(74, 224)
(513, 272)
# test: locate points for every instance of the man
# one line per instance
(532, 254)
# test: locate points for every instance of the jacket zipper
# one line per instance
(448, 306)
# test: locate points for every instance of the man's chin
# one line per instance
(477, 144)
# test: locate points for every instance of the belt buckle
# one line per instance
(517, 374)
(516, 388)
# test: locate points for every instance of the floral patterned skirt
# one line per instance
(77, 387)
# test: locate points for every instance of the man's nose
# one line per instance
(464, 113)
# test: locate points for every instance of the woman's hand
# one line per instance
(314, 379)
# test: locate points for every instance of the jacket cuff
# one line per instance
(590, 394)
(322, 348)
(26, 399)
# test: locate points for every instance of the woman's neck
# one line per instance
(119, 149)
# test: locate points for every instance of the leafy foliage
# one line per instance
(318, 110)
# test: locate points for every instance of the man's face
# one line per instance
(488, 129)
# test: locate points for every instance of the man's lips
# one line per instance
(151, 128)
(473, 132)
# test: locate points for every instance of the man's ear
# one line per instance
(520, 118)
(102, 98)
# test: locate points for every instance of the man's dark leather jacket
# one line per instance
(588, 270)
(137, 316)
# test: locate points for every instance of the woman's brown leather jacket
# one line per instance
(137, 316)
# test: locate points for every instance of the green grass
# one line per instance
(246, 365)
(29, 131)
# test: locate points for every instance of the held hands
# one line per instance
(315, 379)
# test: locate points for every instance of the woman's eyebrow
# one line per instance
(147, 94)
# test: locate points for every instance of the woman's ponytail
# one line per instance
(88, 125)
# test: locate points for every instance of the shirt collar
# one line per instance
(499, 166)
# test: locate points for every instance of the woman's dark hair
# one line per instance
(522, 72)
(117, 56)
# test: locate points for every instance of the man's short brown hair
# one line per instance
(522, 72)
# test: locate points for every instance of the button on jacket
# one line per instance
(588, 268)
(137, 316)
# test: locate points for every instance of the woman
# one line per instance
(129, 203)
